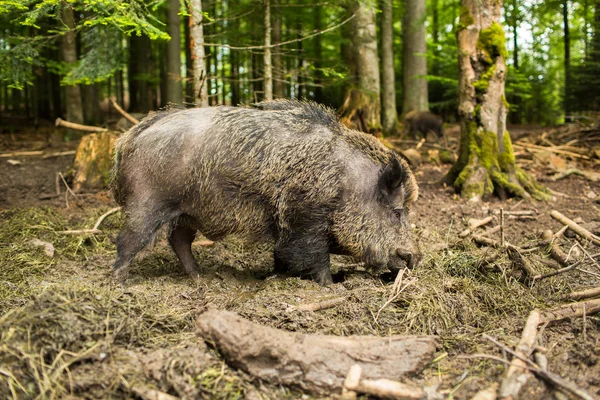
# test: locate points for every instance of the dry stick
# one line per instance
(552, 378)
(589, 175)
(322, 305)
(382, 388)
(584, 294)
(22, 154)
(573, 310)
(557, 272)
(542, 149)
(555, 251)
(476, 225)
(60, 154)
(520, 262)
(95, 229)
(489, 393)
(588, 255)
(516, 213)
(544, 243)
(584, 233)
(124, 113)
(78, 127)
(485, 241)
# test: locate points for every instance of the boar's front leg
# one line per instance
(304, 253)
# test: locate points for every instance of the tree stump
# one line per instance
(317, 364)
(93, 161)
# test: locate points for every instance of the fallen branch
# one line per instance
(519, 262)
(542, 149)
(584, 233)
(549, 377)
(22, 154)
(474, 224)
(317, 364)
(573, 310)
(381, 388)
(95, 229)
(555, 251)
(78, 127)
(583, 294)
(589, 175)
(60, 154)
(485, 241)
(124, 113)
(557, 272)
(396, 290)
(322, 305)
(489, 393)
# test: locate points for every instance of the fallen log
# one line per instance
(584, 294)
(584, 233)
(573, 310)
(78, 127)
(317, 364)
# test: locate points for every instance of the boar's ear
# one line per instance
(391, 178)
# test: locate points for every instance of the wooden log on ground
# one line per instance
(573, 310)
(583, 294)
(93, 161)
(584, 233)
(519, 382)
(317, 364)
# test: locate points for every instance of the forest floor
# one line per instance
(68, 331)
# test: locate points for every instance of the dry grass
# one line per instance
(68, 330)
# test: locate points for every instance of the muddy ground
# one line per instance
(68, 331)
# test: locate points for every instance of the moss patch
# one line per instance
(483, 83)
(492, 43)
(465, 19)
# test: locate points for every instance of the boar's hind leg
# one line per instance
(181, 239)
(305, 255)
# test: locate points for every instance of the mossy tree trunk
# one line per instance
(362, 107)
(486, 162)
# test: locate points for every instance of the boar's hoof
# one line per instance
(323, 277)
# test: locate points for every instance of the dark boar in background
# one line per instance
(284, 171)
(423, 122)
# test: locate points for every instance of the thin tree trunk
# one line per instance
(415, 63)
(174, 89)
(486, 159)
(197, 51)
(278, 89)
(300, 66)
(514, 19)
(567, 59)
(189, 65)
(268, 73)
(91, 104)
(69, 53)
(388, 76)
(362, 106)
(318, 55)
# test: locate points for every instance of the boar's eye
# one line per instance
(399, 213)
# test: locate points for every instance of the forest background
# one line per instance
(65, 58)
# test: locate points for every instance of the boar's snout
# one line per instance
(411, 256)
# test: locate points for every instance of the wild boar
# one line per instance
(284, 171)
(423, 122)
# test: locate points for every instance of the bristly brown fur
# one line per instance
(281, 170)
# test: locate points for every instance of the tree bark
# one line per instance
(389, 116)
(268, 73)
(278, 89)
(69, 53)
(486, 160)
(91, 104)
(318, 73)
(415, 62)
(174, 89)
(514, 20)
(362, 107)
(567, 59)
(197, 52)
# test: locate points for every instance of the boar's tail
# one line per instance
(123, 145)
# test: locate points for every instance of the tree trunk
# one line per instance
(362, 107)
(567, 60)
(189, 65)
(174, 90)
(300, 65)
(197, 52)
(91, 104)
(388, 76)
(278, 89)
(415, 63)
(486, 162)
(268, 73)
(69, 53)
(318, 55)
(514, 19)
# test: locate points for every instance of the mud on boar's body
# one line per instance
(284, 171)
(423, 122)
